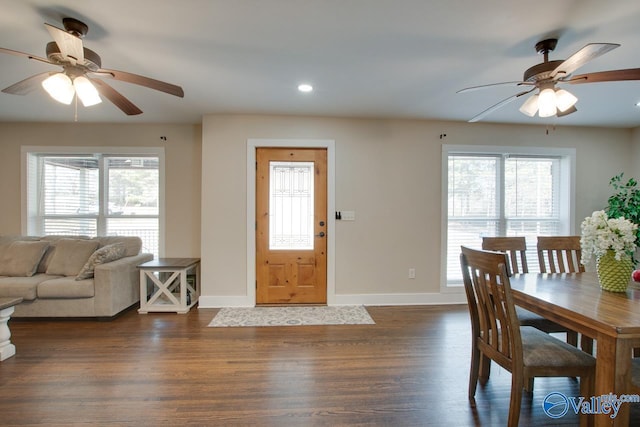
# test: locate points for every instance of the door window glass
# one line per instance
(291, 205)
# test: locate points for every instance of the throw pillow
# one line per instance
(101, 256)
(70, 255)
(21, 259)
(132, 244)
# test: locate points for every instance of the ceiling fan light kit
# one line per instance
(530, 106)
(87, 93)
(565, 100)
(82, 73)
(550, 100)
(59, 87)
(547, 102)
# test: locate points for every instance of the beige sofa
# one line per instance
(71, 276)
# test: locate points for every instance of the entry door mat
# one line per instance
(291, 316)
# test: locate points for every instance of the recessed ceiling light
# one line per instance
(304, 87)
(638, 104)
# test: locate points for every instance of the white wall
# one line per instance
(182, 166)
(389, 172)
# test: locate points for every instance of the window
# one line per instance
(95, 194)
(493, 191)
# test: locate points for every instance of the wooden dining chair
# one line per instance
(560, 254)
(515, 249)
(498, 336)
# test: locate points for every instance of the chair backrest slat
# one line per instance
(514, 247)
(560, 254)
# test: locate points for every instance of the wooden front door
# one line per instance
(291, 225)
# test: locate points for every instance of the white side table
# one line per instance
(169, 285)
(6, 310)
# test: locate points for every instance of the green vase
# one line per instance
(614, 275)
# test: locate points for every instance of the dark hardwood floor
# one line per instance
(161, 369)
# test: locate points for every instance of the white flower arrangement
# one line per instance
(601, 233)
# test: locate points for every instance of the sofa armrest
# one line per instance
(117, 284)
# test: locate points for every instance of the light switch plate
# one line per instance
(348, 215)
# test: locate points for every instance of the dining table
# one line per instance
(612, 319)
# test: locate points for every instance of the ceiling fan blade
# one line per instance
(26, 55)
(27, 85)
(472, 88)
(144, 81)
(499, 105)
(581, 57)
(115, 97)
(70, 45)
(606, 76)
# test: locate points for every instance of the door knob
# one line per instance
(321, 234)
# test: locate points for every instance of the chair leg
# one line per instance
(473, 372)
(528, 384)
(485, 369)
(516, 400)
(587, 387)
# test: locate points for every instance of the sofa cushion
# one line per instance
(132, 244)
(5, 239)
(23, 287)
(101, 256)
(70, 255)
(21, 258)
(66, 287)
(53, 241)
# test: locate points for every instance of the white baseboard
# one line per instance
(356, 299)
(225, 301)
(400, 299)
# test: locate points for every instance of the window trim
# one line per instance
(567, 181)
(27, 150)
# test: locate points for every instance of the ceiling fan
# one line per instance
(82, 72)
(546, 76)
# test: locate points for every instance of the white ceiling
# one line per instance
(365, 58)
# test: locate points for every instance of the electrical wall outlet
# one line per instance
(412, 273)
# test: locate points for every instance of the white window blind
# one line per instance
(499, 194)
(95, 194)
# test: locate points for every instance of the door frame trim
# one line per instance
(254, 143)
